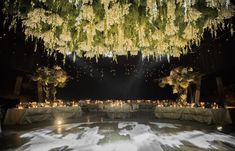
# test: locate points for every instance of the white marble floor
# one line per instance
(119, 136)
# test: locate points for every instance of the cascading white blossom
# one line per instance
(87, 13)
(155, 27)
(115, 14)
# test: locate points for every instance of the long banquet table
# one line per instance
(204, 115)
(31, 115)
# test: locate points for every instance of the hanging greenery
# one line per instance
(180, 79)
(99, 27)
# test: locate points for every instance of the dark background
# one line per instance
(128, 78)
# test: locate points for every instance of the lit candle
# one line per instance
(20, 107)
(192, 105)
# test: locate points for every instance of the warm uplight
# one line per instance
(59, 122)
(219, 128)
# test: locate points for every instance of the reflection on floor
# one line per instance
(119, 136)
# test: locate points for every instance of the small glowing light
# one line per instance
(168, 58)
(59, 130)
(219, 128)
(109, 54)
(143, 56)
(68, 53)
(88, 119)
(20, 107)
(59, 122)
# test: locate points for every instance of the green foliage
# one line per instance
(55, 76)
(156, 39)
(180, 79)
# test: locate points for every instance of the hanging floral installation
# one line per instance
(119, 27)
(180, 79)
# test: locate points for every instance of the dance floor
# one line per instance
(119, 135)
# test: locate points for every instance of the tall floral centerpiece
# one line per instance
(94, 28)
(50, 78)
(180, 79)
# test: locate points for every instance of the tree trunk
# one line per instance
(198, 91)
(47, 92)
(53, 92)
(17, 86)
(191, 94)
(182, 97)
(220, 89)
(40, 92)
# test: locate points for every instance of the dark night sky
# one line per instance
(130, 78)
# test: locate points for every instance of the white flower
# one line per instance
(106, 3)
(226, 13)
(65, 35)
(87, 13)
(78, 21)
(192, 15)
(190, 32)
(54, 20)
(171, 29)
(156, 33)
(100, 26)
(171, 6)
(116, 13)
(177, 42)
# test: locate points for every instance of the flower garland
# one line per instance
(99, 28)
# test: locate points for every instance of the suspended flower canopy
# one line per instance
(94, 28)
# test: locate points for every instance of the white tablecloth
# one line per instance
(30, 115)
(119, 115)
(210, 116)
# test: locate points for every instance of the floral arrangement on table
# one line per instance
(180, 79)
(118, 27)
(50, 78)
(118, 106)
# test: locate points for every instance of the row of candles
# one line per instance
(47, 104)
(117, 104)
(214, 105)
(60, 103)
(158, 103)
(114, 103)
(123, 101)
